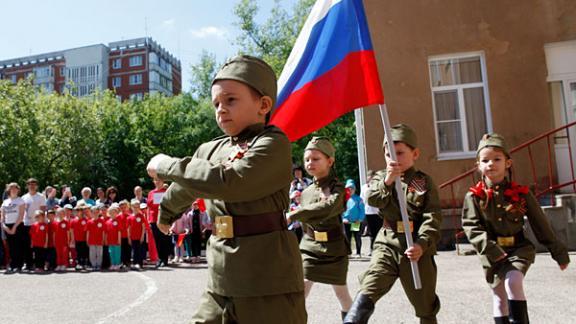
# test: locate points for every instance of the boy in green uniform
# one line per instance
(255, 267)
(390, 257)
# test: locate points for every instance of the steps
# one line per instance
(562, 218)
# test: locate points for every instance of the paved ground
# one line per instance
(171, 295)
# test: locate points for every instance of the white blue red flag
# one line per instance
(331, 69)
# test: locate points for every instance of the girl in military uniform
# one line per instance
(323, 247)
(493, 219)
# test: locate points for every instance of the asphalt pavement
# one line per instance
(170, 295)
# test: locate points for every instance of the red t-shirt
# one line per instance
(96, 231)
(61, 233)
(39, 234)
(153, 204)
(52, 227)
(79, 227)
(135, 223)
(113, 227)
(123, 220)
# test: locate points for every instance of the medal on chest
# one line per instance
(238, 152)
(417, 185)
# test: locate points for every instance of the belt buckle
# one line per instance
(400, 227)
(320, 236)
(506, 241)
(224, 227)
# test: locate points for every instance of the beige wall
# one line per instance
(511, 34)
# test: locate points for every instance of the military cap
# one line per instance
(321, 144)
(51, 211)
(68, 206)
(403, 133)
(493, 140)
(135, 202)
(114, 206)
(143, 206)
(251, 71)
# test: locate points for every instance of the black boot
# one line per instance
(343, 313)
(518, 311)
(501, 320)
(361, 310)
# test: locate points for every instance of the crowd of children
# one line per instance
(91, 236)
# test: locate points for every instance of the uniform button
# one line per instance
(497, 187)
(235, 138)
(499, 206)
(499, 219)
(515, 219)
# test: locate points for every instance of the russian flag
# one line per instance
(330, 71)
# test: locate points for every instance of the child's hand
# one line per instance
(563, 266)
(345, 221)
(414, 253)
(393, 171)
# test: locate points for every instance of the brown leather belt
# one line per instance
(510, 241)
(398, 228)
(324, 236)
(247, 225)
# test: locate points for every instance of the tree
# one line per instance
(202, 75)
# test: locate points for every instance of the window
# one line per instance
(136, 60)
(14, 78)
(136, 79)
(116, 82)
(137, 96)
(153, 58)
(460, 101)
(117, 63)
(62, 71)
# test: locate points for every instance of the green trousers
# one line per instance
(278, 309)
(389, 263)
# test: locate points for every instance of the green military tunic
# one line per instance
(322, 205)
(493, 220)
(248, 174)
(388, 261)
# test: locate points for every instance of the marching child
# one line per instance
(114, 237)
(95, 239)
(79, 227)
(136, 231)
(391, 258)
(493, 220)
(39, 237)
(323, 247)
(61, 240)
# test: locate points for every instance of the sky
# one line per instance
(183, 27)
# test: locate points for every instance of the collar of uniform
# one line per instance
(496, 186)
(326, 180)
(248, 133)
(408, 175)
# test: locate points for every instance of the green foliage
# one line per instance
(94, 141)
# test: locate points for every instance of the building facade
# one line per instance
(131, 68)
(454, 70)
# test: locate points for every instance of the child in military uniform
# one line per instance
(390, 257)
(493, 219)
(255, 268)
(324, 248)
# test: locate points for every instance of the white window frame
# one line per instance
(116, 84)
(138, 58)
(467, 152)
(137, 77)
(117, 63)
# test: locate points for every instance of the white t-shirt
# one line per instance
(11, 208)
(33, 203)
(369, 210)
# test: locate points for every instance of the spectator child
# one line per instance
(179, 232)
(79, 227)
(136, 231)
(353, 217)
(125, 248)
(95, 239)
(51, 250)
(61, 240)
(39, 237)
(114, 237)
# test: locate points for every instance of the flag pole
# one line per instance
(400, 195)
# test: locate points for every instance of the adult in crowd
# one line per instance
(353, 217)
(86, 197)
(139, 196)
(34, 201)
(67, 197)
(111, 195)
(300, 182)
(101, 196)
(51, 200)
(373, 220)
(12, 217)
(163, 242)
